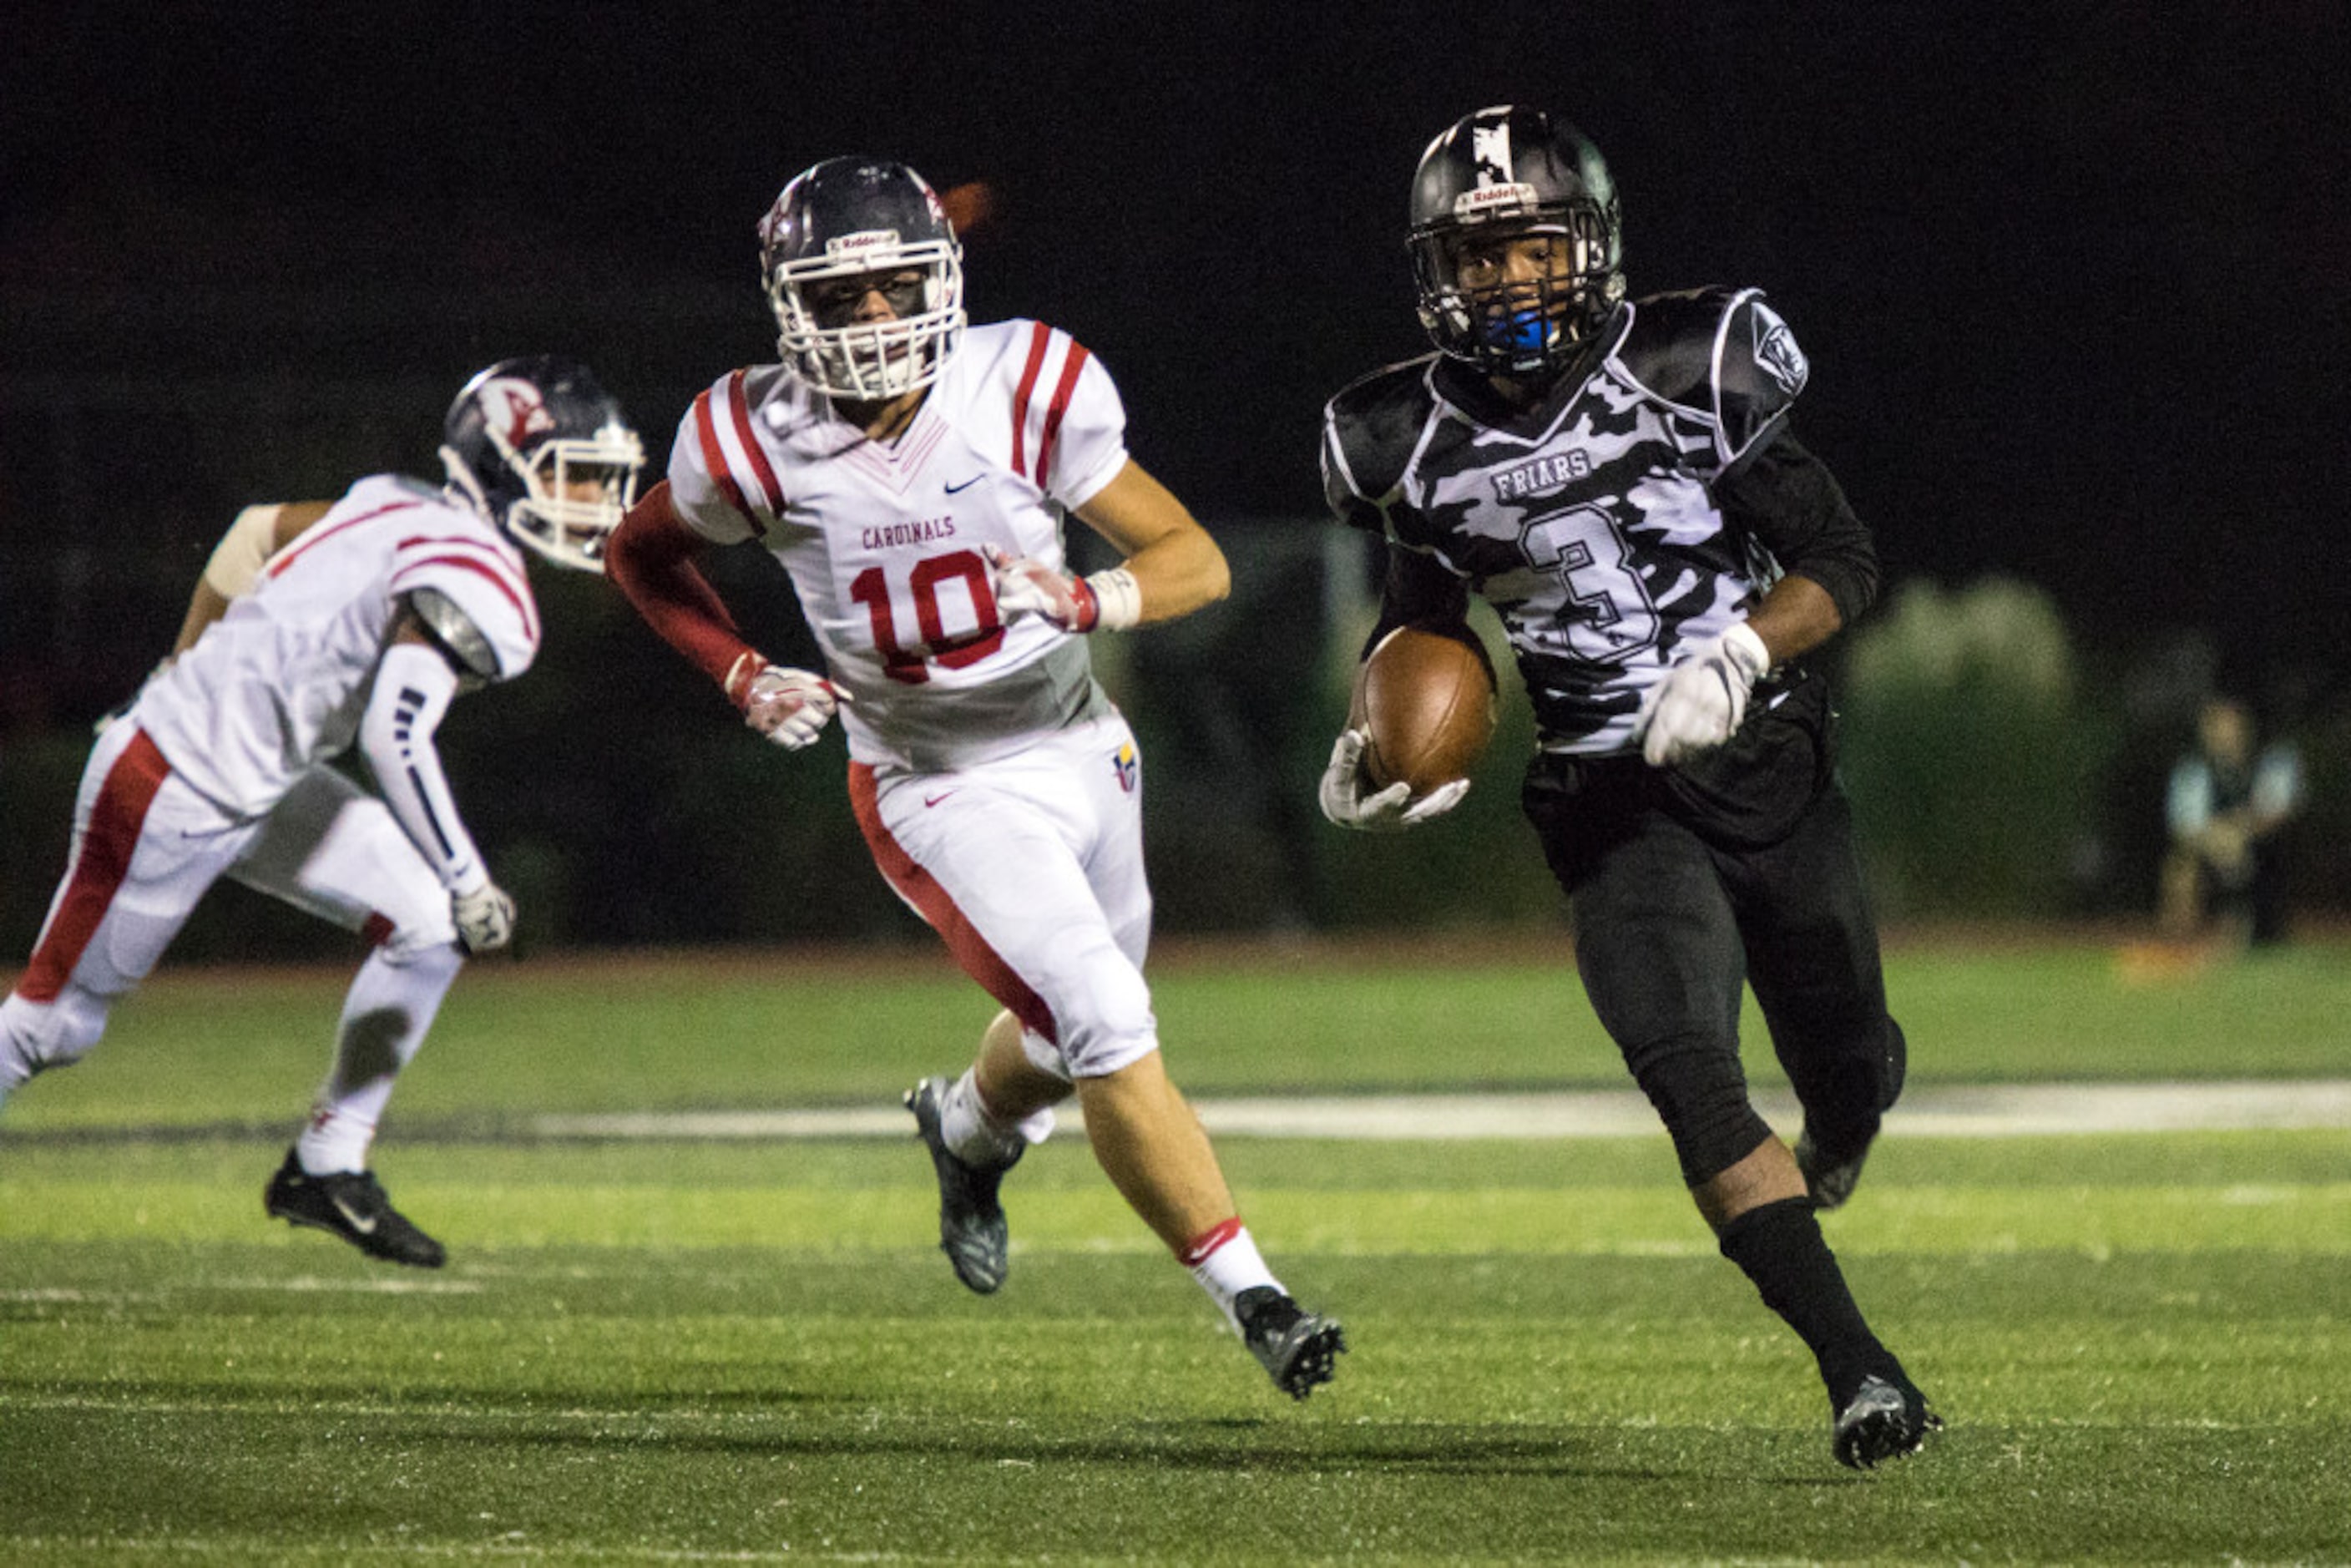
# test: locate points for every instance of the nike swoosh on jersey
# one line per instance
(935, 799)
(967, 484)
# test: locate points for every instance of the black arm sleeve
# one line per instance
(1421, 592)
(1790, 501)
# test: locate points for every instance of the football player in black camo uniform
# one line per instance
(1616, 478)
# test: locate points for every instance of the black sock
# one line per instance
(1779, 1246)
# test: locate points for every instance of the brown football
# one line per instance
(1428, 704)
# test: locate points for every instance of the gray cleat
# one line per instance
(972, 1232)
(1883, 1420)
(1298, 1349)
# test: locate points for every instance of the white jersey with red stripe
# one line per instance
(281, 683)
(884, 540)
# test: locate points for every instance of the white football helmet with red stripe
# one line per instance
(519, 440)
(882, 224)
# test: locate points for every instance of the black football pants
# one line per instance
(1668, 924)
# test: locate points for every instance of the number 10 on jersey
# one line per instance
(952, 650)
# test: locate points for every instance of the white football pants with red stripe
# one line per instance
(1030, 869)
(146, 847)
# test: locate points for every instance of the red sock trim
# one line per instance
(1202, 1247)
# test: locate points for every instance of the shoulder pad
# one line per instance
(1722, 353)
(1372, 425)
(455, 632)
(1669, 346)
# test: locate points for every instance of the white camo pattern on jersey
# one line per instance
(281, 682)
(886, 542)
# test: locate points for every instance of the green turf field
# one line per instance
(672, 1351)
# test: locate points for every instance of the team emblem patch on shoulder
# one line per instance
(1776, 350)
(1128, 766)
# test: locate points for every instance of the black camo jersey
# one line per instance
(1642, 507)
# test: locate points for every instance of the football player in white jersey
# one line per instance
(315, 626)
(911, 472)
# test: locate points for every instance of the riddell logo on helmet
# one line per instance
(516, 408)
(1489, 200)
(857, 244)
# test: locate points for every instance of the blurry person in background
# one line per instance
(2227, 806)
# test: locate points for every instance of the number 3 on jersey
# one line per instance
(1604, 613)
(953, 651)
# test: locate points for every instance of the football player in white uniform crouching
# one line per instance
(912, 472)
(315, 626)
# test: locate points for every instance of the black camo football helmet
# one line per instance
(848, 218)
(1505, 171)
(521, 433)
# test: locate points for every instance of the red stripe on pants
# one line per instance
(107, 847)
(920, 889)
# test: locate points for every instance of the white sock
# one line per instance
(16, 1061)
(336, 1138)
(1226, 1261)
(976, 1135)
(391, 1004)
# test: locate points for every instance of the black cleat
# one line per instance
(1830, 1178)
(972, 1232)
(1883, 1420)
(353, 1207)
(1296, 1348)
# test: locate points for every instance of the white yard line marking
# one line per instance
(1985, 1111)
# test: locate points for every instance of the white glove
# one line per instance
(1109, 601)
(1388, 810)
(789, 707)
(486, 918)
(1700, 701)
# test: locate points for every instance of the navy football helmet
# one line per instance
(522, 435)
(1499, 174)
(865, 219)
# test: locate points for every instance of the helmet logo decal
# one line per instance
(1498, 193)
(1776, 352)
(514, 408)
(1489, 148)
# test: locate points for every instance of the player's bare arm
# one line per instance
(1796, 615)
(1177, 565)
(258, 533)
(1170, 565)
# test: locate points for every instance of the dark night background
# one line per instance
(2072, 278)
